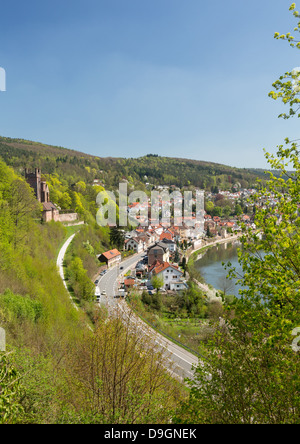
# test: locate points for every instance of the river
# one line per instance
(210, 266)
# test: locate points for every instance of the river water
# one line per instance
(210, 266)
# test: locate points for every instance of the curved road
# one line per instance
(60, 262)
(182, 360)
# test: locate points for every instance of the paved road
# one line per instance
(182, 360)
(109, 281)
(60, 261)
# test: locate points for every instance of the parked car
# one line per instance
(96, 281)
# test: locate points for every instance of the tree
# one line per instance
(22, 207)
(117, 237)
(287, 85)
(121, 376)
(176, 256)
(10, 392)
(238, 210)
(83, 287)
(253, 376)
(209, 206)
(157, 282)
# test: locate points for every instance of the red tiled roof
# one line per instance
(111, 254)
(163, 266)
(165, 235)
(156, 263)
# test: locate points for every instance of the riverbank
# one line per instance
(211, 292)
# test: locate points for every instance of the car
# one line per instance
(96, 281)
(121, 268)
(104, 292)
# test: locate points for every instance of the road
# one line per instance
(60, 262)
(182, 360)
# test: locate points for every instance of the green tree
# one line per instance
(10, 392)
(23, 206)
(288, 85)
(157, 282)
(117, 238)
(238, 210)
(83, 287)
(253, 374)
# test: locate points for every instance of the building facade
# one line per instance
(158, 252)
(42, 193)
(110, 257)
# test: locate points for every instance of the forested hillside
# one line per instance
(74, 166)
(53, 363)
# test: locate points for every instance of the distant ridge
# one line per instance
(74, 165)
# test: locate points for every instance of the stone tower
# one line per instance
(40, 187)
(34, 180)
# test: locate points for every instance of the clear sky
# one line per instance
(124, 78)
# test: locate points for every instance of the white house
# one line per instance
(178, 285)
(171, 244)
(170, 273)
(134, 244)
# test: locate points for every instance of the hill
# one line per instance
(74, 166)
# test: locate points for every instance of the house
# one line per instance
(166, 235)
(134, 244)
(178, 286)
(170, 274)
(171, 244)
(158, 251)
(129, 283)
(110, 257)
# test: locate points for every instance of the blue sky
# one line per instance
(125, 78)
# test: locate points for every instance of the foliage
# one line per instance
(121, 377)
(82, 286)
(10, 391)
(157, 282)
(253, 376)
(288, 86)
(117, 238)
(66, 170)
(20, 307)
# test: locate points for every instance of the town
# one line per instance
(167, 246)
